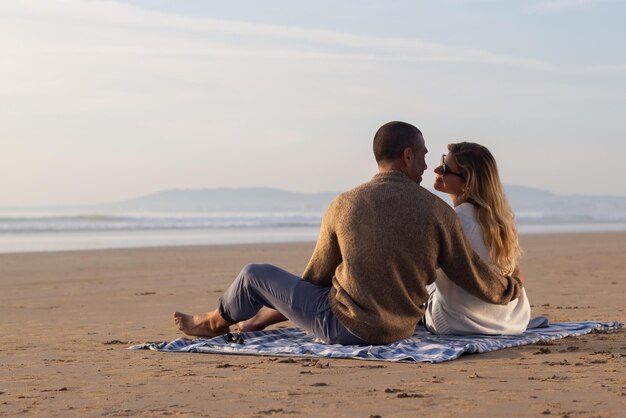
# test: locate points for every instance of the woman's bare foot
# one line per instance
(210, 324)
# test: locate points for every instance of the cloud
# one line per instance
(553, 6)
(238, 38)
(609, 69)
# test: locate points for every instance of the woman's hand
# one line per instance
(517, 272)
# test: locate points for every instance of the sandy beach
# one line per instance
(68, 317)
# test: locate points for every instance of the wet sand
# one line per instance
(67, 318)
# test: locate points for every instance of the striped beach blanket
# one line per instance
(422, 347)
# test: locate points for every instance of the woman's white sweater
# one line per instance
(452, 310)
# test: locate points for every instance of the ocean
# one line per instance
(53, 231)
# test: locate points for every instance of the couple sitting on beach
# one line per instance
(390, 254)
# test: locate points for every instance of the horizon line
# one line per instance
(235, 188)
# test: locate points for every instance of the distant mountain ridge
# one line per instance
(227, 199)
(529, 202)
(526, 201)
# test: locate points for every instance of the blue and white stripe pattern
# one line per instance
(422, 347)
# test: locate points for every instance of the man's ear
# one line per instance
(407, 155)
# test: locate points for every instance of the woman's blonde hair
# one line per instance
(484, 189)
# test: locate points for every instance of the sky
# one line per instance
(104, 100)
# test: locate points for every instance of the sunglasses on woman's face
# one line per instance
(445, 168)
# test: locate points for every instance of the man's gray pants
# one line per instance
(304, 303)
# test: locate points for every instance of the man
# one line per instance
(379, 246)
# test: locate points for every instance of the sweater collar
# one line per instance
(390, 175)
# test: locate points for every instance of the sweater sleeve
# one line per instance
(327, 254)
(465, 268)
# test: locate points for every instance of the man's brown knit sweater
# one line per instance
(379, 247)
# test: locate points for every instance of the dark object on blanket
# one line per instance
(233, 338)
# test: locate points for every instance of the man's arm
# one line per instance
(465, 268)
(327, 255)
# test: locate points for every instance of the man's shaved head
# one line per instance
(393, 138)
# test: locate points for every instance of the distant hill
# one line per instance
(530, 204)
(536, 203)
(227, 200)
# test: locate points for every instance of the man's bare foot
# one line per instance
(251, 324)
(263, 319)
(210, 324)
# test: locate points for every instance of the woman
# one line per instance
(468, 173)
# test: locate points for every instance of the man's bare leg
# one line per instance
(263, 319)
(210, 324)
